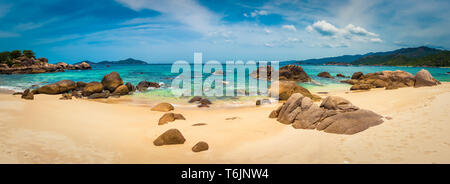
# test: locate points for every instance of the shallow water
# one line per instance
(162, 73)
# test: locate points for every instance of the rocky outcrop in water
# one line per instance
(341, 75)
(325, 75)
(30, 65)
(293, 73)
(288, 73)
(334, 115)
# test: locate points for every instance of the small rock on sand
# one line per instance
(163, 107)
(200, 146)
(199, 124)
(172, 136)
(170, 117)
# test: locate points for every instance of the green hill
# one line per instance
(421, 56)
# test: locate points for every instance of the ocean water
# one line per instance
(161, 73)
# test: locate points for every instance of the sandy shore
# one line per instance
(48, 130)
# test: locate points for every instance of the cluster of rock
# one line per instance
(334, 115)
(202, 102)
(173, 136)
(26, 65)
(390, 80)
(285, 73)
(111, 85)
(167, 117)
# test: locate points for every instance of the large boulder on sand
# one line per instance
(338, 103)
(112, 81)
(121, 90)
(91, 88)
(424, 78)
(170, 117)
(335, 115)
(287, 88)
(350, 122)
(172, 136)
(200, 146)
(163, 107)
(57, 88)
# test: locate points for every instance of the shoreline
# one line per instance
(85, 131)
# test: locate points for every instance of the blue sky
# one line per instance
(170, 30)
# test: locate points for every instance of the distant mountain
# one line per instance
(420, 56)
(339, 59)
(129, 61)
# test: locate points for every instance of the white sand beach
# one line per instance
(48, 130)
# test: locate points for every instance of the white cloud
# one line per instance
(289, 27)
(359, 31)
(350, 32)
(257, 13)
(324, 28)
(376, 40)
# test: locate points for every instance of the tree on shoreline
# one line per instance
(28, 53)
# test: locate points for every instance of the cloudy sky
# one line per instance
(170, 30)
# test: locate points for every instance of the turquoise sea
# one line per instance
(162, 73)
